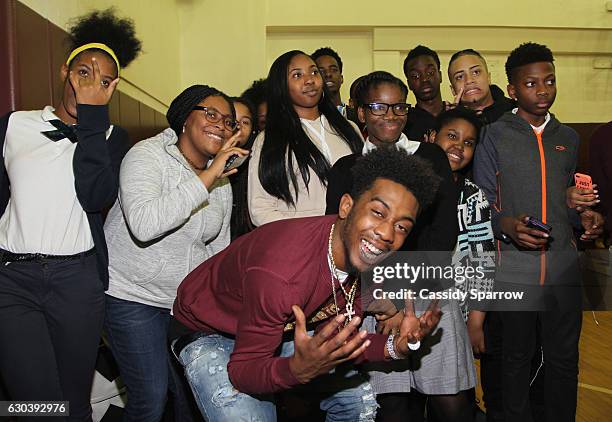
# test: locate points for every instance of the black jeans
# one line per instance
(491, 367)
(560, 334)
(51, 315)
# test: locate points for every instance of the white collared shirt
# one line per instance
(403, 143)
(43, 214)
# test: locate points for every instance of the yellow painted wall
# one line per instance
(222, 43)
(154, 77)
(377, 36)
(548, 13)
(230, 43)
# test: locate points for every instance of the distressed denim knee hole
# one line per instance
(370, 405)
(225, 395)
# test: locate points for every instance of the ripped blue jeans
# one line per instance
(348, 394)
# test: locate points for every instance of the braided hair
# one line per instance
(183, 104)
(106, 28)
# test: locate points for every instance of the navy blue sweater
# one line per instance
(96, 165)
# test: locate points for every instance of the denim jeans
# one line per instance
(349, 396)
(137, 334)
(51, 315)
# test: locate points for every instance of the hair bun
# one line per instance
(105, 27)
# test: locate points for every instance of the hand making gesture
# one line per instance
(456, 100)
(90, 88)
(318, 354)
(413, 329)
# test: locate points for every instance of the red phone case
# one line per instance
(583, 181)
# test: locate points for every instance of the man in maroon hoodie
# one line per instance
(253, 307)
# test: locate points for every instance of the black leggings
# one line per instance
(51, 315)
(410, 407)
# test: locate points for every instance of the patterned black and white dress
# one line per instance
(475, 243)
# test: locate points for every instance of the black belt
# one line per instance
(185, 340)
(6, 256)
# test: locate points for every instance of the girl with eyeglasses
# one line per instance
(61, 164)
(443, 364)
(173, 212)
(304, 136)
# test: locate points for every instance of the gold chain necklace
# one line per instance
(191, 163)
(349, 297)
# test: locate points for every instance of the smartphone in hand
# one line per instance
(583, 181)
(536, 223)
(234, 161)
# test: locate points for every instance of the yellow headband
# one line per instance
(90, 46)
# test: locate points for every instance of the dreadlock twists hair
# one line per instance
(183, 104)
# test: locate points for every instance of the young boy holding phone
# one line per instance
(524, 163)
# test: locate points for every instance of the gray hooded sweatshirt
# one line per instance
(164, 223)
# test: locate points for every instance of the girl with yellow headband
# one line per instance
(62, 166)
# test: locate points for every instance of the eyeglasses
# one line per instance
(380, 109)
(213, 116)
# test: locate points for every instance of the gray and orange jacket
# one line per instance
(522, 172)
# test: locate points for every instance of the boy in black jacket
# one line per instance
(524, 164)
(471, 85)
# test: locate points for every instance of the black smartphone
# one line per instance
(536, 223)
(233, 162)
